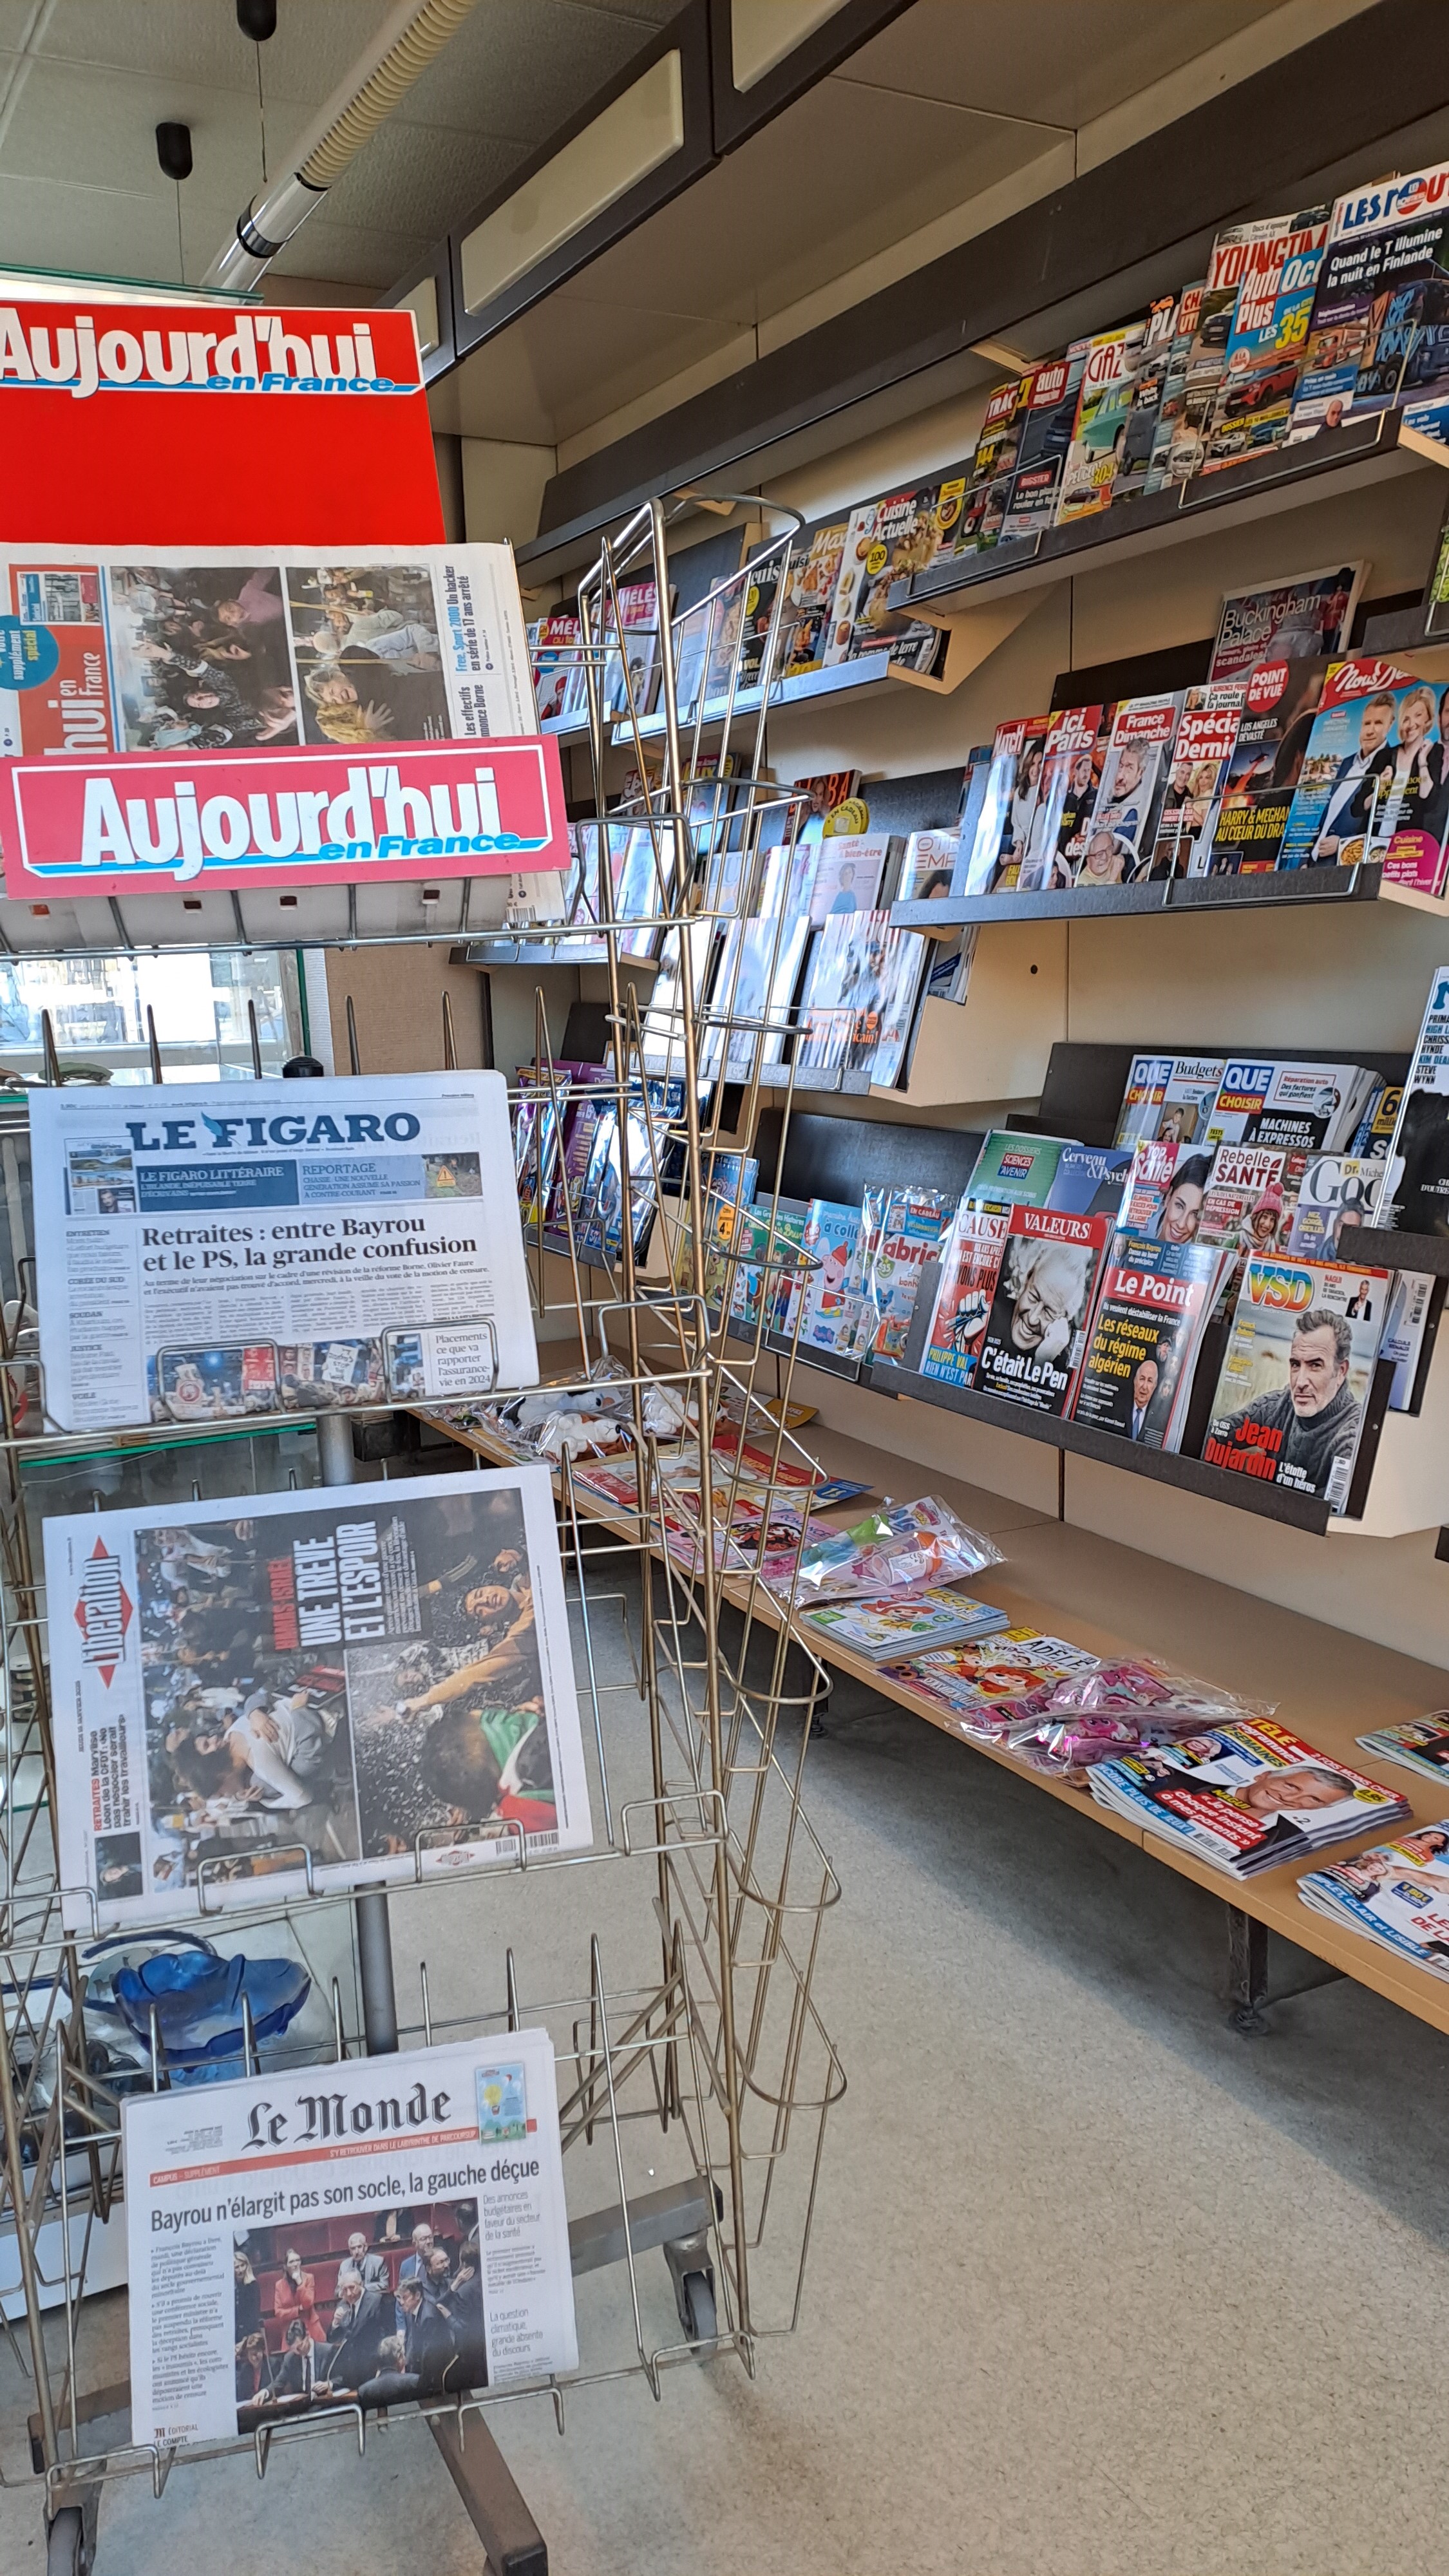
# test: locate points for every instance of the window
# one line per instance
(98, 1008)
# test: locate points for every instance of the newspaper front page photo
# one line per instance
(363, 2233)
(224, 1250)
(352, 1682)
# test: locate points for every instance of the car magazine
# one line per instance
(1267, 340)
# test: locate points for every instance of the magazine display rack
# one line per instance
(699, 2058)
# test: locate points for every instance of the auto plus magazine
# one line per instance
(309, 1688)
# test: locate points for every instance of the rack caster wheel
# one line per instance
(693, 2276)
(66, 2553)
(695, 2298)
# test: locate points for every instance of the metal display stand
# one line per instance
(708, 2057)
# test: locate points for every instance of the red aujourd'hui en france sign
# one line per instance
(311, 816)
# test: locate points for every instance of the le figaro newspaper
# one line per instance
(220, 1250)
(424, 2194)
(353, 1682)
(150, 651)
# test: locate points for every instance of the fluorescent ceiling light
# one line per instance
(643, 128)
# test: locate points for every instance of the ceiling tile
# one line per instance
(98, 128)
(1056, 62)
(359, 255)
(524, 67)
(307, 57)
(46, 223)
(413, 178)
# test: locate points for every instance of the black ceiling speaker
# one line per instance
(173, 150)
(257, 19)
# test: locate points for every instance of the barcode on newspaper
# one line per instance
(1338, 1476)
(542, 1842)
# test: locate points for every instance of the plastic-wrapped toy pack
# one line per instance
(902, 1547)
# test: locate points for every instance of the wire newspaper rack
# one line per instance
(706, 2059)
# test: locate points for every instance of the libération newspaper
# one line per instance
(169, 651)
(220, 1250)
(424, 2196)
(361, 1682)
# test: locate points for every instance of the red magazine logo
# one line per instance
(1266, 686)
(103, 1612)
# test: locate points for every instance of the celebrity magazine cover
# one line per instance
(1003, 824)
(1077, 740)
(326, 1685)
(1206, 734)
(348, 2235)
(1120, 841)
(1396, 1892)
(1032, 1345)
(1312, 615)
(1296, 1375)
(212, 1251)
(1246, 1797)
(1415, 1193)
(166, 651)
(1375, 778)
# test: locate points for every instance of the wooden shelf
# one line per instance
(1329, 1685)
(1285, 478)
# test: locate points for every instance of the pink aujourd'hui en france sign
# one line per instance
(308, 816)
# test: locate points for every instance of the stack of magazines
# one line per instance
(981, 1686)
(1397, 1893)
(1246, 1797)
(891, 1626)
(1420, 1743)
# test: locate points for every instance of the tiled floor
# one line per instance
(1097, 2287)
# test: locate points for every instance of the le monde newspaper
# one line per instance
(347, 2235)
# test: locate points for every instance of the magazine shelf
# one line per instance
(1175, 896)
(972, 636)
(1336, 462)
(1240, 1493)
(1065, 1581)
